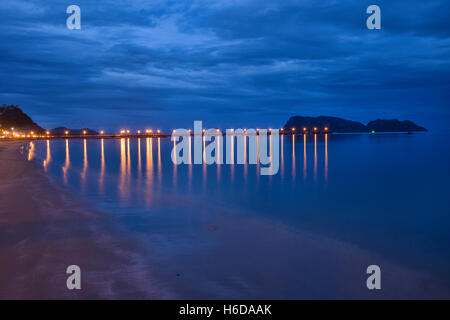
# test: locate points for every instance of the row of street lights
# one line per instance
(150, 131)
(147, 131)
(305, 129)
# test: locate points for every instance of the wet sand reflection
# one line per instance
(159, 161)
(31, 151)
(282, 157)
(315, 157)
(190, 164)
(123, 167)
(48, 159)
(174, 165)
(293, 157)
(149, 171)
(102, 166)
(85, 163)
(305, 167)
(139, 159)
(326, 157)
(66, 166)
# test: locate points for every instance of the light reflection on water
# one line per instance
(349, 187)
(85, 163)
(66, 166)
(102, 168)
(31, 152)
(48, 159)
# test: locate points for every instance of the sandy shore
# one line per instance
(43, 231)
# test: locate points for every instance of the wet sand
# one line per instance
(43, 230)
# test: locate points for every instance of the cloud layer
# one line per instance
(166, 63)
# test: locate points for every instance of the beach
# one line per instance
(43, 230)
(227, 255)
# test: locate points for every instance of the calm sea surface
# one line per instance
(338, 204)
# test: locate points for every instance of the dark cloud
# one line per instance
(244, 62)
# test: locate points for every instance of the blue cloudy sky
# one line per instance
(231, 63)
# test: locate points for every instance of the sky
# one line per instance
(230, 63)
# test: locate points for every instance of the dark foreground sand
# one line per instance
(43, 230)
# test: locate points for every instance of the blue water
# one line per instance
(229, 232)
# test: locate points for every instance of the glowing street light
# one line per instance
(315, 128)
(47, 133)
(326, 128)
(159, 131)
(84, 131)
(293, 129)
(102, 132)
(304, 129)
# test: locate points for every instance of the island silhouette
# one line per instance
(339, 125)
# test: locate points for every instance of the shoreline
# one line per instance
(43, 230)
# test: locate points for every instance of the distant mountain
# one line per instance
(341, 125)
(61, 131)
(12, 117)
(393, 126)
(334, 124)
